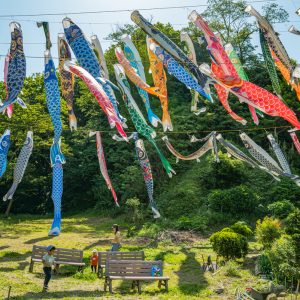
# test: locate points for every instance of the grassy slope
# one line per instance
(182, 263)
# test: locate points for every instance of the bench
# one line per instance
(61, 257)
(102, 256)
(135, 270)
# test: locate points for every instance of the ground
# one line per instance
(181, 253)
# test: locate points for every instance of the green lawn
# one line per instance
(182, 262)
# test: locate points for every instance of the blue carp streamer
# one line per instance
(56, 156)
(4, 147)
(88, 60)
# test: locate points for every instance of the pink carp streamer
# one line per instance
(99, 94)
(224, 74)
(102, 164)
(295, 141)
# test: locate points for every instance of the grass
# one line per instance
(182, 262)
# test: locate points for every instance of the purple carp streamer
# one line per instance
(67, 79)
(209, 145)
(4, 147)
(14, 70)
(147, 173)
(21, 165)
(102, 164)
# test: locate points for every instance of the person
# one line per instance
(48, 262)
(94, 260)
(116, 242)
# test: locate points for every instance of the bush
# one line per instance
(263, 264)
(229, 244)
(232, 269)
(133, 209)
(292, 222)
(242, 228)
(197, 223)
(267, 231)
(237, 200)
(280, 209)
(282, 256)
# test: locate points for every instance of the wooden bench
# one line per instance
(102, 257)
(135, 270)
(61, 257)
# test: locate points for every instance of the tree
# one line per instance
(280, 209)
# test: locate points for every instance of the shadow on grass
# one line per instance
(59, 295)
(4, 247)
(98, 243)
(191, 276)
(43, 238)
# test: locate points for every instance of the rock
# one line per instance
(219, 290)
(271, 297)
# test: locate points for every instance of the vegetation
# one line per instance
(201, 199)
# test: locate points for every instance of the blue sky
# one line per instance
(110, 21)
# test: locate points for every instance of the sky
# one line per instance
(108, 22)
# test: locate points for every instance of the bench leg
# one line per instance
(139, 286)
(110, 286)
(105, 284)
(167, 285)
(159, 284)
(80, 269)
(31, 266)
(100, 272)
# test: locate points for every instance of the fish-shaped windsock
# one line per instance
(4, 147)
(147, 173)
(269, 63)
(190, 49)
(294, 30)
(135, 60)
(16, 70)
(67, 79)
(21, 165)
(209, 145)
(56, 156)
(139, 122)
(241, 72)
(295, 141)
(175, 69)
(160, 80)
(45, 26)
(99, 93)
(232, 150)
(87, 59)
(266, 160)
(102, 164)
(272, 39)
(229, 80)
(170, 47)
(279, 154)
(100, 55)
(133, 75)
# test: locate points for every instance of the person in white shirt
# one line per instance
(48, 262)
(116, 242)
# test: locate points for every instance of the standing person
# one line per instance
(116, 242)
(94, 260)
(48, 262)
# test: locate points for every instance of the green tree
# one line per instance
(267, 231)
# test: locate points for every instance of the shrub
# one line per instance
(237, 200)
(282, 256)
(280, 209)
(267, 231)
(197, 223)
(232, 269)
(242, 228)
(133, 208)
(292, 222)
(229, 244)
(263, 264)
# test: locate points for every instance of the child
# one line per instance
(48, 261)
(116, 242)
(94, 261)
